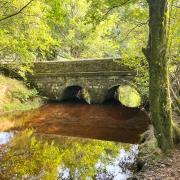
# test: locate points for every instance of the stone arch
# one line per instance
(76, 93)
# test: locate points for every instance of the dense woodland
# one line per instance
(145, 34)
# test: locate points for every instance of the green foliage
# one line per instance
(16, 96)
(84, 154)
(67, 29)
(56, 29)
(25, 95)
(36, 156)
(29, 158)
(128, 96)
(25, 35)
(16, 106)
(174, 32)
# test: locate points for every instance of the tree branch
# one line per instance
(18, 12)
(113, 7)
(132, 29)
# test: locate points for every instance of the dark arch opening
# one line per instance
(75, 94)
(111, 96)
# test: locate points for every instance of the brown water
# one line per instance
(75, 154)
(106, 122)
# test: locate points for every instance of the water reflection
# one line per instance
(36, 156)
(5, 137)
(118, 168)
(107, 122)
(43, 143)
(121, 167)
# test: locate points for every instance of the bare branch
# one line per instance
(18, 12)
(133, 29)
(113, 7)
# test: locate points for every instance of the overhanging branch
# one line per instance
(113, 7)
(18, 12)
(132, 29)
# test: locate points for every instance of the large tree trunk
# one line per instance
(159, 93)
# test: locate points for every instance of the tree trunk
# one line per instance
(159, 91)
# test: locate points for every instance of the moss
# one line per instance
(149, 152)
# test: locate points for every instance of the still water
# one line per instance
(70, 141)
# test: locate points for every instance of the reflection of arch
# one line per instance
(131, 84)
(144, 99)
(75, 93)
(129, 98)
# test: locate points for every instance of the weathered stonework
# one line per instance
(96, 76)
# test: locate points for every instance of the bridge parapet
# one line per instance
(77, 66)
(97, 76)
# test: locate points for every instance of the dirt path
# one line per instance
(166, 169)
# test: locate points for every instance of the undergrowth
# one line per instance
(14, 95)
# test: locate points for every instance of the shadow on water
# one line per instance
(105, 122)
(112, 101)
(73, 100)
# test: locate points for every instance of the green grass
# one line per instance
(22, 106)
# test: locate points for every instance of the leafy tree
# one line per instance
(166, 132)
(76, 33)
(24, 32)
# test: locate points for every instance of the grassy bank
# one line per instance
(14, 95)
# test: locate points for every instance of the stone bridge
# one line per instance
(97, 76)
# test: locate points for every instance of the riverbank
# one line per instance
(15, 96)
(152, 164)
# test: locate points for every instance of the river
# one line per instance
(89, 141)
